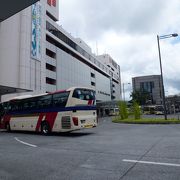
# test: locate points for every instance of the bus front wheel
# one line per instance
(45, 128)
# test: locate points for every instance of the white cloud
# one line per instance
(127, 31)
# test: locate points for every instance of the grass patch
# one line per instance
(145, 121)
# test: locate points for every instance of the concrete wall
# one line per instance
(72, 72)
(17, 68)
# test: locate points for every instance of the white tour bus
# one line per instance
(61, 111)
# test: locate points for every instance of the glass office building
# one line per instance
(151, 84)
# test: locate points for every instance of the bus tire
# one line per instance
(8, 127)
(45, 128)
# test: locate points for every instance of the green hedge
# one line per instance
(146, 121)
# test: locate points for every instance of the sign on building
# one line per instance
(36, 31)
(52, 2)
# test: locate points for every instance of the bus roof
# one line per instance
(21, 97)
(26, 96)
(72, 88)
(60, 91)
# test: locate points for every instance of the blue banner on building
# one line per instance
(36, 31)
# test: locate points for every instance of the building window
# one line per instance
(50, 81)
(52, 29)
(113, 97)
(51, 16)
(93, 83)
(147, 86)
(50, 53)
(50, 67)
(93, 75)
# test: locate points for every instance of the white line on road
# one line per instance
(153, 163)
(32, 145)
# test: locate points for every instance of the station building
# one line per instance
(38, 55)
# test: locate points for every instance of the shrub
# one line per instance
(136, 110)
(123, 110)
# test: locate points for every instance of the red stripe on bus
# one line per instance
(7, 118)
(90, 102)
(4, 121)
(50, 118)
(39, 121)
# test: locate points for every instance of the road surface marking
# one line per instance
(149, 162)
(32, 145)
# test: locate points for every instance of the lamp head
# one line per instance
(174, 35)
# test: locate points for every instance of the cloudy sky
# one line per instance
(127, 31)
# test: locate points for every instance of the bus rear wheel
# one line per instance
(45, 128)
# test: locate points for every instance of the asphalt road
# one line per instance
(108, 152)
(170, 116)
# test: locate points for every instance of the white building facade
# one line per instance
(39, 55)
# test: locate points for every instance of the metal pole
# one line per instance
(163, 93)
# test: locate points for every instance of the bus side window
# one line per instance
(41, 104)
(87, 97)
(77, 94)
(45, 101)
(1, 111)
(81, 97)
(60, 100)
(12, 106)
(7, 107)
(48, 102)
(26, 105)
(1, 107)
(32, 104)
(20, 106)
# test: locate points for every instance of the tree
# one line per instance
(136, 110)
(141, 97)
(123, 110)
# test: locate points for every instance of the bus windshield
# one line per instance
(84, 94)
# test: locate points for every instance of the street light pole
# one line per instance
(163, 92)
(124, 92)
